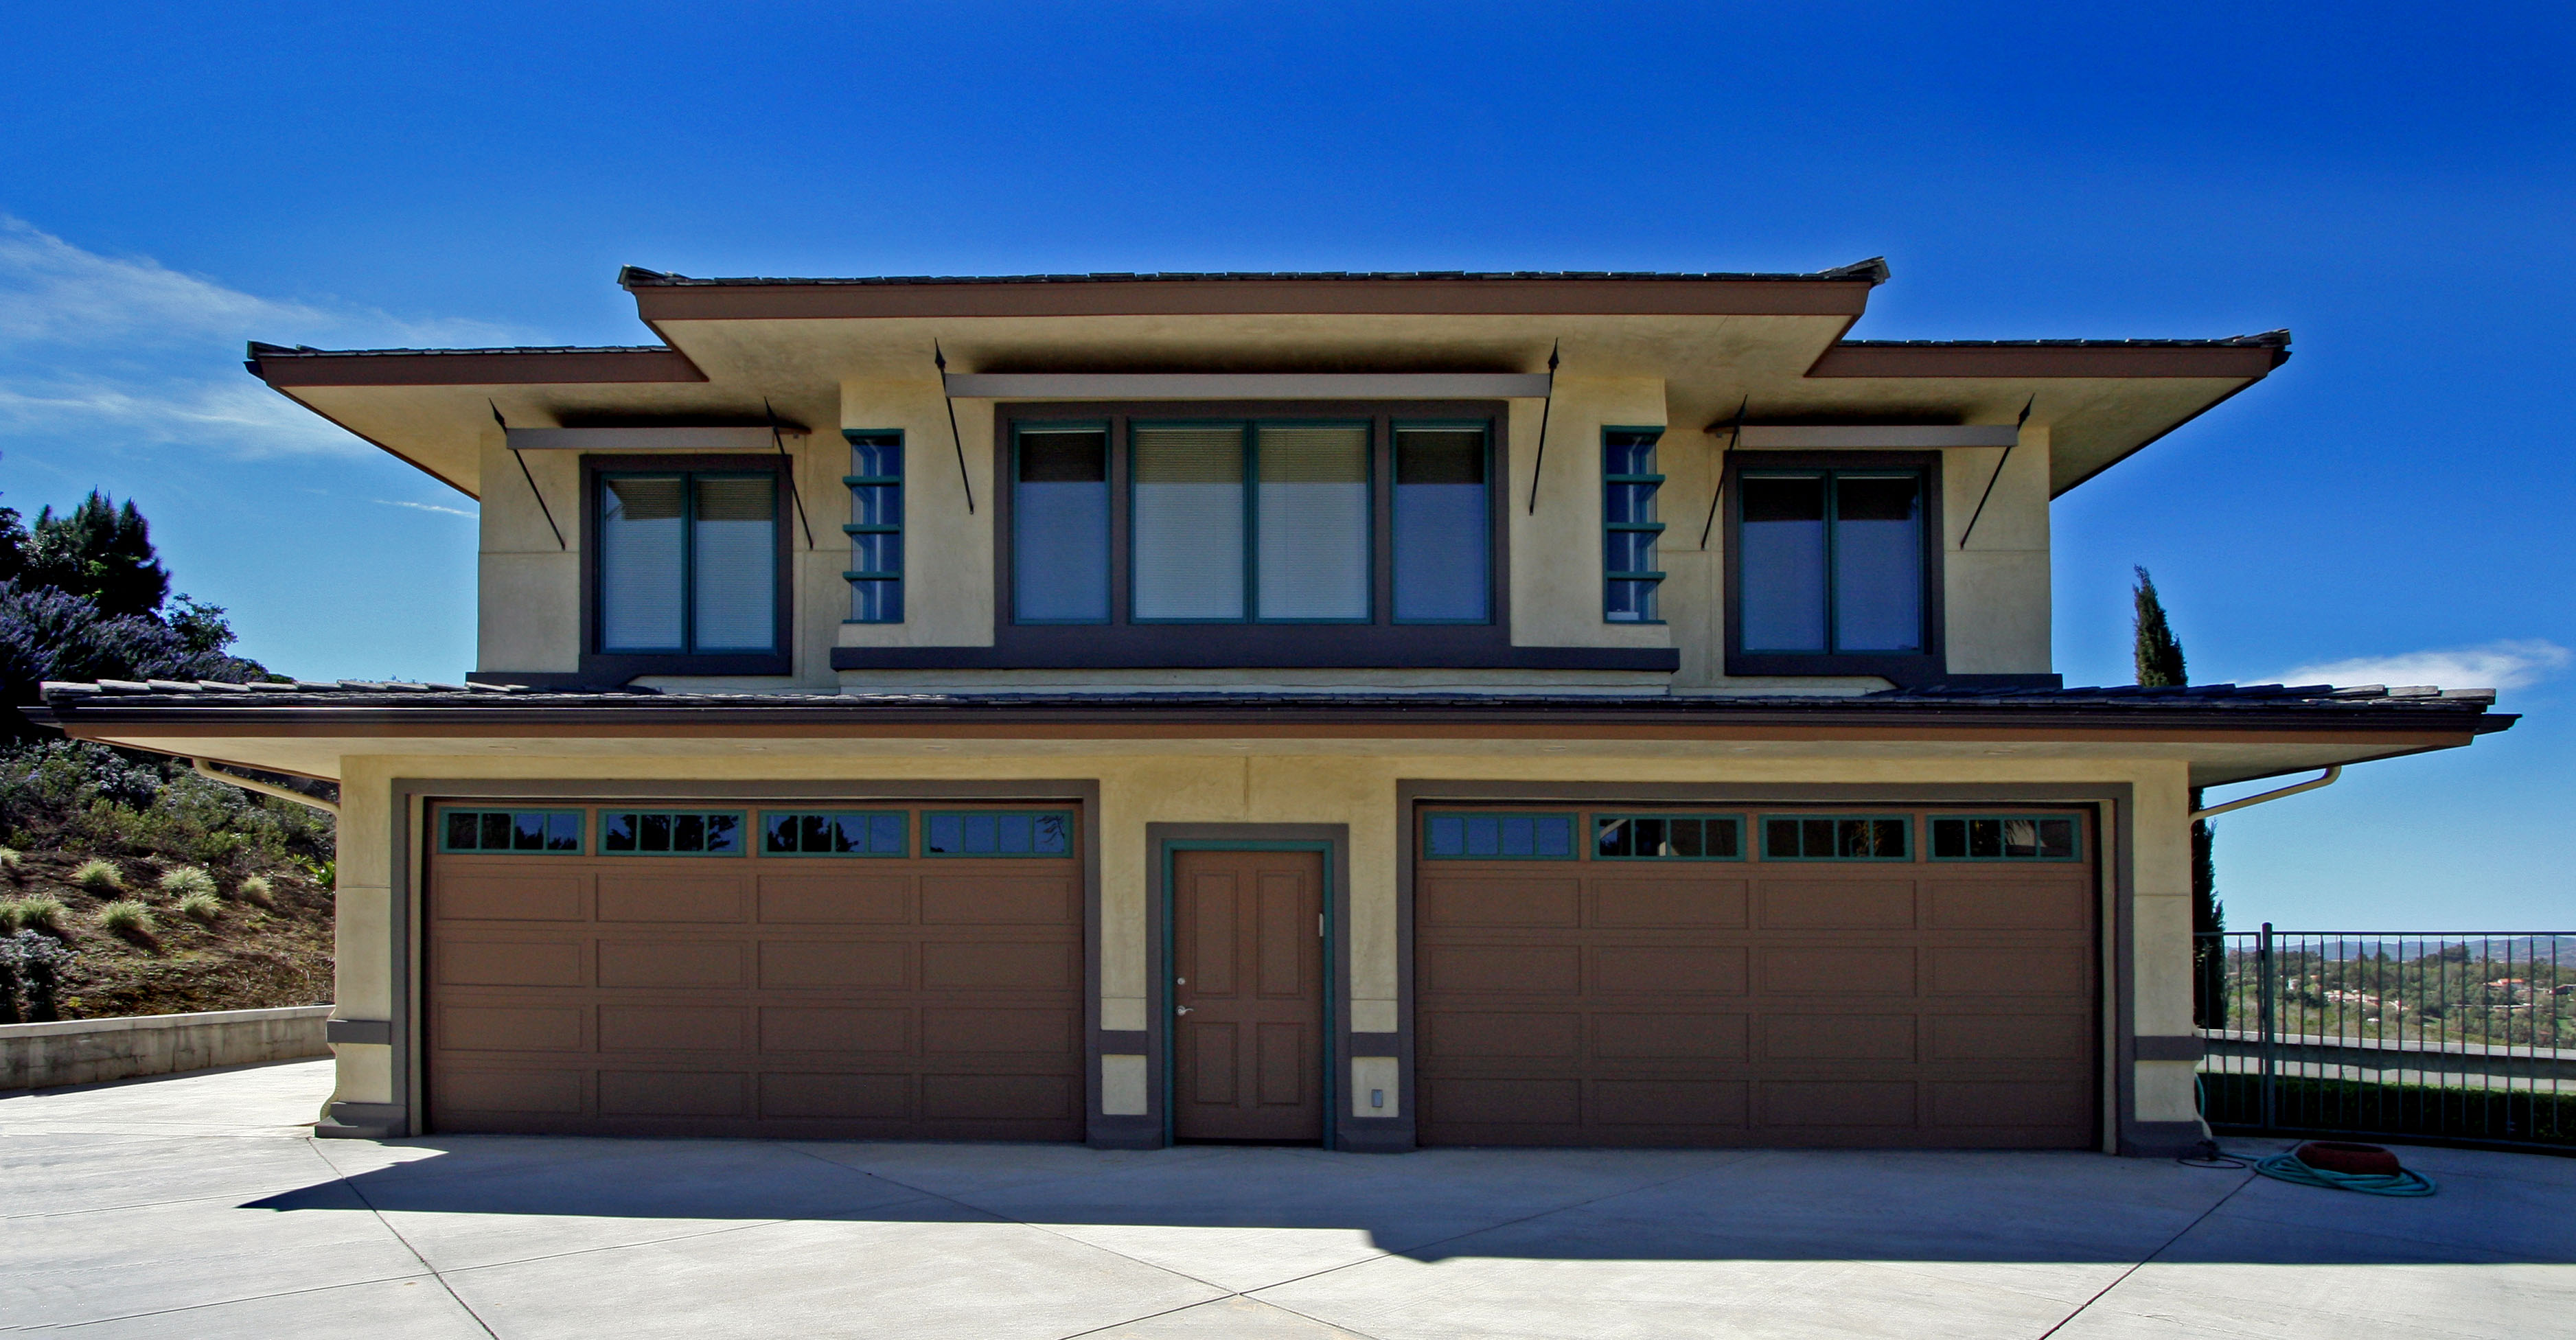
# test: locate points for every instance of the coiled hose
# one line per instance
(2289, 1168)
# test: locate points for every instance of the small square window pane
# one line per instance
(1520, 836)
(880, 454)
(1444, 835)
(655, 834)
(496, 831)
(1631, 550)
(1484, 835)
(945, 834)
(2057, 839)
(885, 834)
(779, 833)
(563, 831)
(528, 830)
(813, 833)
(617, 832)
(1816, 837)
(1985, 839)
(876, 551)
(1556, 837)
(1950, 838)
(1780, 837)
(1617, 837)
(876, 601)
(463, 828)
(1887, 838)
(2021, 838)
(1723, 838)
(688, 832)
(982, 834)
(876, 505)
(724, 833)
(1653, 837)
(1630, 602)
(1686, 838)
(1014, 834)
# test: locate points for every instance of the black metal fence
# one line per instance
(2468, 1037)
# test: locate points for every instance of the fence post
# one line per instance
(2264, 1021)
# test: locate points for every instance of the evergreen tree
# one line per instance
(101, 551)
(2160, 665)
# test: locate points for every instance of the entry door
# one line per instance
(1248, 956)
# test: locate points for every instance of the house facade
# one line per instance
(1367, 710)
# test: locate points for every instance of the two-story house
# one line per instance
(1376, 710)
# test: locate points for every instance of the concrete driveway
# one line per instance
(196, 1206)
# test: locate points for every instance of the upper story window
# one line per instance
(1443, 516)
(688, 562)
(1831, 561)
(1060, 523)
(876, 526)
(1631, 571)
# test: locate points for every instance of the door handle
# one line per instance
(1183, 1009)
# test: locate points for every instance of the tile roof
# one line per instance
(2270, 339)
(1874, 271)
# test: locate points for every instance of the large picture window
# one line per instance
(688, 562)
(1831, 562)
(1250, 521)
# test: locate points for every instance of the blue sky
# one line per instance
(2391, 182)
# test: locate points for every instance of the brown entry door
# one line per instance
(1248, 953)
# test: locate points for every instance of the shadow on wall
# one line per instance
(1519, 1203)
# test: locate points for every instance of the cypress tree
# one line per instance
(101, 551)
(2160, 665)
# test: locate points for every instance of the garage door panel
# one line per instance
(2001, 905)
(844, 1097)
(1657, 904)
(1851, 905)
(2038, 970)
(1811, 970)
(844, 965)
(1670, 1103)
(1502, 1033)
(1672, 970)
(674, 1093)
(1510, 1102)
(834, 900)
(1795, 1103)
(509, 1028)
(1839, 1037)
(2005, 1103)
(1669, 1037)
(985, 965)
(1506, 969)
(697, 1028)
(821, 995)
(1495, 900)
(514, 893)
(2011, 1037)
(648, 964)
(514, 962)
(708, 899)
(999, 900)
(550, 1092)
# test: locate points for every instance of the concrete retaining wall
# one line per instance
(91, 1051)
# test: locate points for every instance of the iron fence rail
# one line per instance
(2467, 1036)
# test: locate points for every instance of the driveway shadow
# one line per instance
(1648, 1205)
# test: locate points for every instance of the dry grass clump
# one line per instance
(9, 858)
(201, 908)
(187, 881)
(43, 912)
(257, 889)
(99, 876)
(127, 919)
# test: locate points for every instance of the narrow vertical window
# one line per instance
(1060, 526)
(1188, 523)
(688, 563)
(1831, 562)
(1311, 522)
(1443, 526)
(876, 526)
(1630, 531)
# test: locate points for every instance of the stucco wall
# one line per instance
(1350, 782)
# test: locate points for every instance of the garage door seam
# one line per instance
(2143, 1262)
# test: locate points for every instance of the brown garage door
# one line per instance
(833, 971)
(1756, 977)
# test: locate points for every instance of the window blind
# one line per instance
(736, 540)
(1060, 527)
(1188, 522)
(1442, 525)
(642, 550)
(1312, 514)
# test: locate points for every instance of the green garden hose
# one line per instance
(2403, 1182)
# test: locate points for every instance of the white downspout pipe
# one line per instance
(207, 769)
(2333, 771)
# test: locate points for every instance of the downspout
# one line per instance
(207, 769)
(2333, 771)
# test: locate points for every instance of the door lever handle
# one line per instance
(1183, 1009)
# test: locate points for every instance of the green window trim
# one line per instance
(876, 508)
(515, 832)
(1963, 835)
(844, 834)
(1842, 832)
(1498, 835)
(1664, 829)
(999, 834)
(718, 833)
(1629, 531)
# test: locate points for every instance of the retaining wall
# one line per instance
(91, 1051)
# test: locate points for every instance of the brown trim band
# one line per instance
(2025, 360)
(1426, 296)
(498, 367)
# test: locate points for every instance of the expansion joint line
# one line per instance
(434, 1272)
(2143, 1262)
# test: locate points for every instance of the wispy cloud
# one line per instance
(111, 351)
(2512, 664)
(426, 507)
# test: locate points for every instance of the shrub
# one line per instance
(257, 889)
(98, 876)
(40, 913)
(36, 962)
(187, 881)
(126, 918)
(9, 858)
(201, 908)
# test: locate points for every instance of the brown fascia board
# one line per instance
(1845, 292)
(282, 367)
(2246, 356)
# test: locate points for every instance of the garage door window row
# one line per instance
(796, 833)
(1506, 836)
